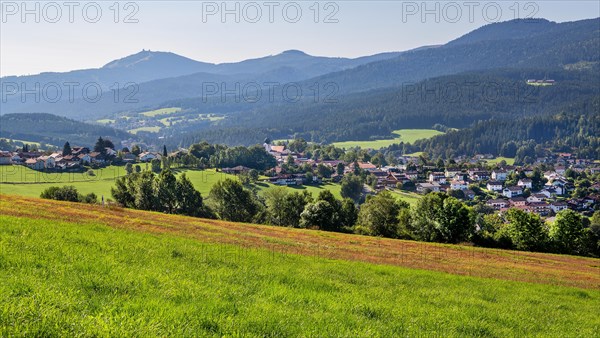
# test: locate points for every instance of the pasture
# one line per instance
(402, 135)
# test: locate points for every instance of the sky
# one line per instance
(67, 35)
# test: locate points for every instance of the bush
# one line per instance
(66, 193)
(90, 198)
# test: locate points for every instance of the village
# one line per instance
(545, 187)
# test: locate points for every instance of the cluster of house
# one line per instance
(551, 198)
(78, 157)
(39, 161)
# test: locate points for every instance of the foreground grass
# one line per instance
(67, 279)
(461, 260)
(402, 135)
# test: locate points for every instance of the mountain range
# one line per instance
(367, 89)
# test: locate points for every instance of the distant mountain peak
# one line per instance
(294, 52)
(142, 56)
(511, 29)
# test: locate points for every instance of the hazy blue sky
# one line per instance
(195, 29)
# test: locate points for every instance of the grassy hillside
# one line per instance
(90, 271)
(402, 135)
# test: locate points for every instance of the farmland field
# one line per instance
(85, 270)
(37, 144)
(105, 121)
(163, 111)
(509, 160)
(154, 129)
(402, 135)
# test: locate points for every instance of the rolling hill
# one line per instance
(154, 77)
(88, 270)
(55, 130)
(455, 101)
(544, 45)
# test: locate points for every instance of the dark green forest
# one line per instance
(55, 130)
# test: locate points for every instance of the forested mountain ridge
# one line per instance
(553, 47)
(576, 131)
(454, 100)
(55, 130)
(148, 78)
(543, 45)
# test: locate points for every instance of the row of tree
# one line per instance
(437, 217)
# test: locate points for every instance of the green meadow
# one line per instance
(20, 180)
(105, 121)
(163, 111)
(64, 279)
(402, 135)
(154, 129)
(509, 160)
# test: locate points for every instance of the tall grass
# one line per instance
(66, 279)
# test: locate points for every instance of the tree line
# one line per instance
(437, 217)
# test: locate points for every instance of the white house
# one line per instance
(536, 198)
(148, 156)
(525, 183)
(558, 206)
(458, 185)
(422, 187)
(5, 158)
(494, 186)
(497, 204)
(437, 177)
(480, 175)
(451, 172)
(49, 161)
(499, 175)
(35, 163)
(84, 158)
(559, 186)
(511, 192)
(96, 157)
(548, 192)
(111, 152)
